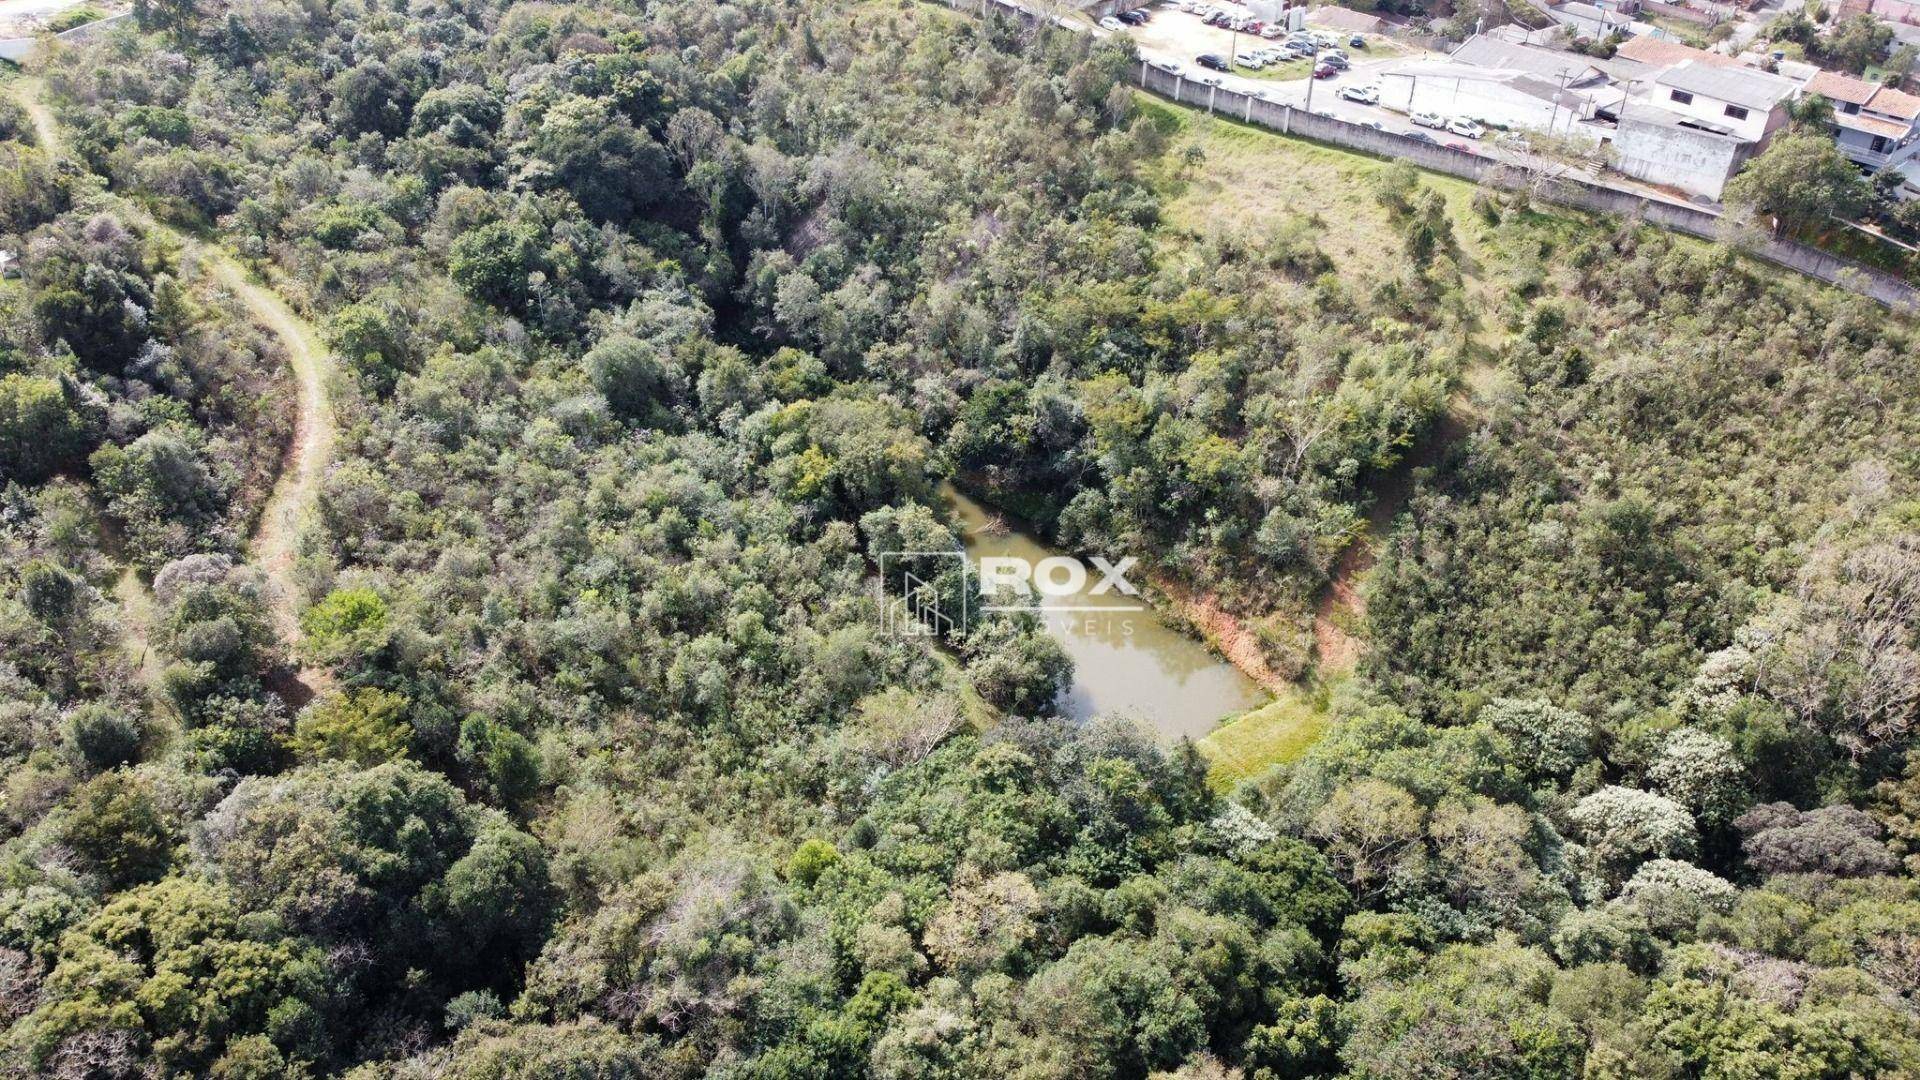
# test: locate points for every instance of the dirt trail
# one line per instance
(275, 538)
(136, 620)
(273, 547)
(1342, 607)
(31, 94)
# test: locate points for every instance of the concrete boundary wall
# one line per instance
(15, 50)
(1579, 194)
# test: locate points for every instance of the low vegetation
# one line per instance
(658, 324)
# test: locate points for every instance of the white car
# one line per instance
(1365, 95)
(1428, 120)
(1462, 126)
(1113, 24)
(1271, 32)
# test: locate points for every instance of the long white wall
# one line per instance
(16, 50)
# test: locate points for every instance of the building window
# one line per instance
(1879, 144)
(1681, 96)
(1849, 107)
(1737, 112)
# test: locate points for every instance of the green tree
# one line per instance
(367, 726)
(103, 736)
(346, 624)
(492, 263)
(113, 823)
(40, 430)
(1800, 180)
(179, 965)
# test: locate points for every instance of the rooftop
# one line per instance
(1641, 113)
(1487, 52)
(1344, 18)
(1872, 125)
(1648, 50)
(1869, 96)
(1519, 81)
(1737, 86)
(1895, 103)
(1578, 9)
(1837, 87)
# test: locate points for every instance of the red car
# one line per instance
(1324, 71)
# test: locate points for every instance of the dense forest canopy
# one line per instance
(652, 326)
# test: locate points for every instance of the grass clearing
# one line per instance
(1252, 178)
(1277, 732)
(1283, 72)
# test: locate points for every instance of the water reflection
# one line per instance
(1125, 661)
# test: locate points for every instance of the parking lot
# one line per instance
(1174, 38)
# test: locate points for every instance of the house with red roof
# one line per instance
(1874, 125)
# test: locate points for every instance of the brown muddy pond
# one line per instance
(1127, 659)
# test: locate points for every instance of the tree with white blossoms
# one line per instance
(1701, 772)
(1672, 896)
(1238, 830)
(1623, 827)
(1549, 742)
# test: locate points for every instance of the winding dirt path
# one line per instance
(276, 536)
(274, 545)
(1341, 610)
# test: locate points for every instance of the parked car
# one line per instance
(1365, 95)
(1325, 71)
(1428, 119)
(1465, 148)
(1357, 41)
(1111, 23)
(1421, 136)
(1460, 125)
(1271, 32)
(1217, 63)
(1335, 61)
(1132, 18)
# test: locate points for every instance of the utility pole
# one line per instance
(1555, 117)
